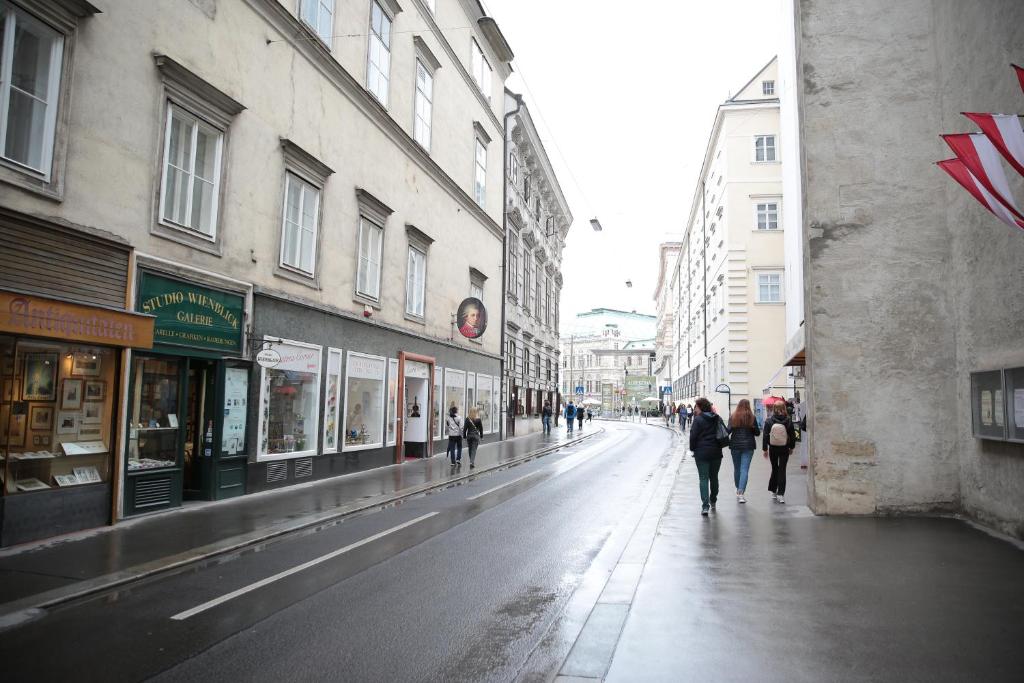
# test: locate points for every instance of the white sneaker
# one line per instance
(781, 500)
(775, 496)
(742, 498)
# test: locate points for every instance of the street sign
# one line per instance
(667, 390)
(579, 391)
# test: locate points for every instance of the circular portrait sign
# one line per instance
(472, 318)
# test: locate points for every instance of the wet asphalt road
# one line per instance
(459, 585)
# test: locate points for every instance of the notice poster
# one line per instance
(986, 408)
(997, 407)
(236, 390)
(1018, 408)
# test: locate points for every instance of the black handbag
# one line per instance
(721, 434)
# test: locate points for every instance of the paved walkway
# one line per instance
(770, 592)
(56, 570)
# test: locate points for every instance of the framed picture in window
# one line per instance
(92, 413)
(67, 423)
(41, 418)
(86, 364)
(71, 394)
(16, 430)
(95, 390)
(40, 380)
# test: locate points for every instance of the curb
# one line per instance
(21, 610)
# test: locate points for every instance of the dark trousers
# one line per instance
(707, 472)
(473, 444)
(779, 458)
(455, 445)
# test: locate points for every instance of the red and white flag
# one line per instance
(1005, 132)
(959, 172)
(1020, 75)
(980, 157)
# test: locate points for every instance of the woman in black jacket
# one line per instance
(777, 448)
(707, 454)
(743, 433)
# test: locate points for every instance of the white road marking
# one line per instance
(501, 486)
(181, 616)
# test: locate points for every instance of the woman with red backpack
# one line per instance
(777, 441)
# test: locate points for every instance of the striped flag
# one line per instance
(980, 157)
(1020, 75)
(1005, 132)
(959, 172)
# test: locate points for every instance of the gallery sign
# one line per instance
(41, 317)
(190, 315)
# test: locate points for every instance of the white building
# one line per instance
(320, 179)
(538, 221)
(730, 273)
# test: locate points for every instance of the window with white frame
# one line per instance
(476, 291)
(378, 62)
(513, 263)
(300, 224)
(30, 66)
(527, 291)
(371, 243)
(191, 175)
(416, 282)
(480, 173)
(319, 16)
(767, 87)
(538, 297)
(767, 215)
(769, 288)
(476, 284)
(513, 168)
(764, 148)
(481, 70)
(424, 104)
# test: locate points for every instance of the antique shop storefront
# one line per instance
(64, 335)
(188, 397)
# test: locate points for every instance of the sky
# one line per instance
(624, 96)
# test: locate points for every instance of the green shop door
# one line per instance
(200, 417)
(230, 445)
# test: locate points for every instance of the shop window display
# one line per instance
(289, 402)
(470, 393)
(364, 401)
(483, 400)
(495, 393)
(56, 412)
(455, 390)
(332, 401)
(236, 395)
(155, 416)
(436, 401)
(392, 404)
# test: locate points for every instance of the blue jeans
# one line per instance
(546, 420)
(707, 472)
(568, 422)
(455, 446)
(740, 468)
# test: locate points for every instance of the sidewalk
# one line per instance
(770, 592)
(68, 567)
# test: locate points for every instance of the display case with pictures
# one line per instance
(988, 406)
(495, 412)
(483, 400)
(391, 407)
(436, 402)
(454, 391)
(290, 402)
(364, 401)
(1014, 383)
(53, 432)
(155, 414)
(236, 411)
(332, 401)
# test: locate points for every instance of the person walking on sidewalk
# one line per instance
(590, 415)
(473, 430)
(743, 433)
(570, 417)
(545, 417)
(580, 414)
(777, 442)
(454, 425)
(707, 452)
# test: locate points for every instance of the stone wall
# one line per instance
(910, 285)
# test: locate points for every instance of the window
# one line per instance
(769, 288)
(767, 215)
(301, 216)
(513, 265)
(319, 15)
(455, 391)
(416, 282)
(30, 61)
(526, 363)
(538, 297)
(480, 173)
(424, 105)
(481, 71)
(476, 284)
(476, 291)
(526, 189)
(764, 148)
(527, 291)
(510, 357)
(536, 364)
(436, 403)
(767, 87)
(364, 402)
(289, 394)
(371, 240)
(513, 168)
(484, 400)
(391, 407)
(378, 63)
(332, 400)
(547, 301)
(191, 174)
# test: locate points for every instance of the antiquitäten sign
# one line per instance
(42, 317)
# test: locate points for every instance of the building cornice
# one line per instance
(290, 30)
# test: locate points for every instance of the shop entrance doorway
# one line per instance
(199, 429)
(415, 417)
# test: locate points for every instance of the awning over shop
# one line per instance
(42, 317)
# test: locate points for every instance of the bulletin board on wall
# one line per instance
(997, 404)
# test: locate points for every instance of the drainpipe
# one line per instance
(504, 255)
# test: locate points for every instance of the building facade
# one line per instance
(666, 305)
(313, 183)
(609, 355)
(537, 223)
(913, 380)
(729, 314)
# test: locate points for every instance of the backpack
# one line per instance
(721, 434)
(778, 436)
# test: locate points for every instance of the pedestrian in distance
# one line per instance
(707, 452)
(778, 441)
(579, 416)
(473, 430)
(590, 415)
(743, 433)
(545, 417)
(570, 417)
(453, 423)
(673, 411)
